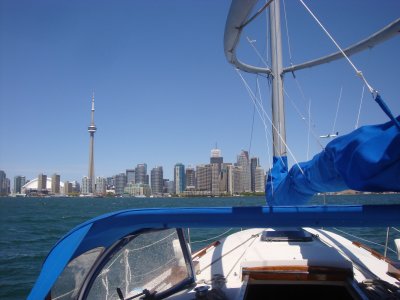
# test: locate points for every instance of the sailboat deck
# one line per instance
(243, 260)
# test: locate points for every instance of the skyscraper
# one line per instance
(120, 183)
(179, 178)
(92, 129)
(141, 174)
(101, 186)
(216, 161)
(42, 183)
(3, 184)
(19, 182)
(157, 180)
(130, 175)
(203, 177)
(55, 184)
(254, 163)
(243, 162)
(190, 175)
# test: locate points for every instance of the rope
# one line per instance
(358, 72)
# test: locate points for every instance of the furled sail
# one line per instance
(367, 159)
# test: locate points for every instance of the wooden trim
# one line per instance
(293, 273)
(373, 252)
(203, 251)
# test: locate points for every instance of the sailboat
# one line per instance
(144, 254)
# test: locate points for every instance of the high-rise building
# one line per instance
(259, 178)
(141, 174)
(92, 129)
(55, 184)
(68, 188)
(223, 179)
(190, 177)
(157, 180)
(234, 180)
(86, 186)
(254, 163)
(244, 163)
(179, 178)
(19, 182)
(76, 187)
(203, 177)
(101, 186)
(120, 183)
(4, 184)
(42, 183)
(130, 175)
(216, 157)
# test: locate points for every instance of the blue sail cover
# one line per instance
(367, 159)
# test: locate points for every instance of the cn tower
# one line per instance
(92, 129)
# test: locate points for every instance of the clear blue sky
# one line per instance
(164, 91)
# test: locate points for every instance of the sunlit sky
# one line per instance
(164, 91)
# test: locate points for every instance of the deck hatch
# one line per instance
(286, 236)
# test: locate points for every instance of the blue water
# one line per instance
(31, 226)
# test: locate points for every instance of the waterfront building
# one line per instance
(259, 178)
(254, 163)
(120, 183)
(244, 163)
(223, 179)
(19, 182)
(203, 177)
(68, 188)
(215, 178)
(216, 157)
(138, 190)
(235, 185)
(157, 180)
(42, 183)
(45, 183)
(179, 178)
(4, 184)
(141, 174)
(110, 183)
(76, 187)
(190, 177)
(101, 186)
(130, 175)
(86, 186)
(169, 185)
(55, 184)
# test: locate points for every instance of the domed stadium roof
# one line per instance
(33, 184)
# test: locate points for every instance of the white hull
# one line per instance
(327, 260)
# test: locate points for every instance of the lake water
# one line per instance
(31, 226)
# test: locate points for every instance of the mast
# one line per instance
(278, 109)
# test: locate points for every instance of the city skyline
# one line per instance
(140, 173)
(166, 94)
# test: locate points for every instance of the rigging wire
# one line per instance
(359, 109)
(264, 113)
(287, 33)
(337, 110)
(358, 72)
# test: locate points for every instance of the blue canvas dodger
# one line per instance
(367, 159)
